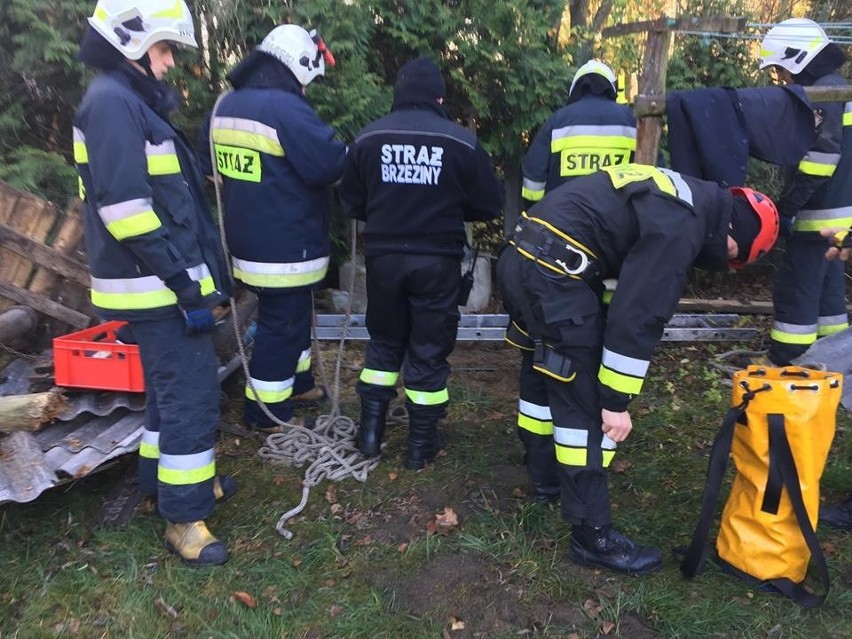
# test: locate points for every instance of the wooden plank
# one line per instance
(655, 105)
(66, 240)
(45, 256)
(644, 26)
(44, 305)
(716, 24)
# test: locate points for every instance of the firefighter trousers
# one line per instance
(809, 299)
(280, 365)
(176, 455)
(412, 318)
(564, 317)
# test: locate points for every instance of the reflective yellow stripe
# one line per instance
(622, 383)
(81, 188)
(81, 153)
(623, 175)
(579, 456)
(304, 363)
(606, 297)
(810, 224)
(248, 140)
(847, 118)
(531, 195)
(830, 329)
(597, 142)
(427, 398)
(792, 338)
(149, 451)
(379, 378)
(100, 13)
(283, 275)
(166, 164)
(816, 168)
(269, 396)
(185, 477)
(134, 225)
(533, 425)
(155, 296)
(176, 11)
(523, 348)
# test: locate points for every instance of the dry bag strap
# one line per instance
(693, 561)
(781, 456)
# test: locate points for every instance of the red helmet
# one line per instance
(769, 225)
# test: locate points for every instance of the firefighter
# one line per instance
(414, 177)
(277, 159)
(646, 226)
(809, 293)
(155, 255)
(591, 132)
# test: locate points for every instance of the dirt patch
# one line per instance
(466, 590)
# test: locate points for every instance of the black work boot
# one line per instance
(424, 442)
(371, 428)
(837, 515)
(605, 547)
(545, 492)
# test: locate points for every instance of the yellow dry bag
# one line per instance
(778, 433)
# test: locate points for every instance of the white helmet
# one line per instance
(594, 66)
(792, 44)
(132, 26)
(297, 50)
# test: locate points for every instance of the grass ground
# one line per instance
(363, 564)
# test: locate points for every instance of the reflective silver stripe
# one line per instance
(273, 268)
(166, 148)
(795, 329)
(536, 411)
(610, 284)
(122, 210)
(145, 284)
(825, 214)
(78, 136)
(592, 129)
(832, 320)
(151, 437)
(571, 437)
(683, 190)
(187, 462)
(624, 364)
(244, 125)
(828, 159)
(608, 444)
(305, 354)
(533, 185)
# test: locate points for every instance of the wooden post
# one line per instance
(649, 129)
(30, 412)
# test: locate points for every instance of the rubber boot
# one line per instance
(371, 428)
(605, 547)
(424, 442)
(545, 493)
(195, 544)
(224, 487)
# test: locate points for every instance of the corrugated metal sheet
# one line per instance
(96, 428)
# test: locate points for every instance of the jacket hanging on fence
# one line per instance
(712, 132)
(778, 432)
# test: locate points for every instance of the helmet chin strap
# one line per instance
(145, 63)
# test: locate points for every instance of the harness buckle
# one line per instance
(580, 268)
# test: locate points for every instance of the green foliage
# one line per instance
(40, 85)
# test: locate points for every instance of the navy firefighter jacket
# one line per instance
(146, 216)
(278, 160)
(415, 177)
(585, 136)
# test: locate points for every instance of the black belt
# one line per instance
(538, 243)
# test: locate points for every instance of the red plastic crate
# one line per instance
(91, 358)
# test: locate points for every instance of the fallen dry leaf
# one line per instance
(607, 627)
(592, 607)
(402, 547)
(278, 480)
(331, 495)
(620, 466)
(244, 598)
(166, 609)
(393, 475)
(335, 610)
(456, 624)
(518, 492)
